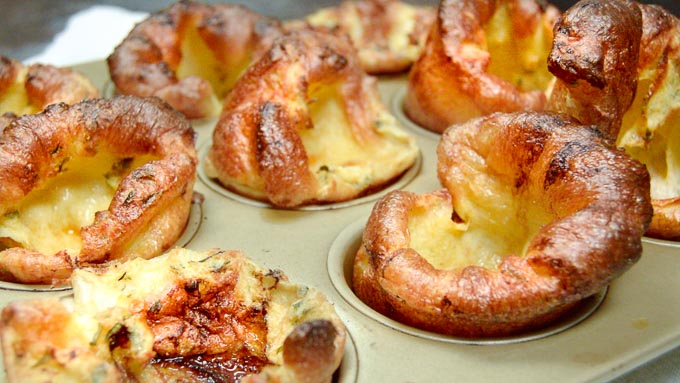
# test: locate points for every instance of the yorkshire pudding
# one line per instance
(481, 57)
(183, 317)
(306, 125)
(190, 54)
(29, 89)
(538, 213)
(617, 65)
(650, 131)
(84, 184)
(389, 34)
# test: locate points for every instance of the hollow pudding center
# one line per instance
(15, 99)
(518, 58)
(647, 128)
(50, 217)
(334, 153)
(199, 60)
(496, 225)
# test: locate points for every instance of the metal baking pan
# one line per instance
(633, 322)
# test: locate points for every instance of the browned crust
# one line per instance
(666, 221)
(255, 142)
(371, 23)
(594, 56)
(659, 46)
(311, 351)
(450, 82)
(46, 84)
(34, 147)
(145, 62)
(140, 197)
(9, 70)
(595, 45)
(192, 318)
(281, 158)
(598, 198)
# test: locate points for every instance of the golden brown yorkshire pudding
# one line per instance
(29, 89)
(84, 184)
(481, 56)
(650, 131)
(306, 125)
(389, 34)
(594, 57)
(190, 54)
(185, 316)
(617, 64)
(553, 215)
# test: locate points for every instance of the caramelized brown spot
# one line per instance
(220, 368)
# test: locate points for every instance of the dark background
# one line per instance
(26, 27)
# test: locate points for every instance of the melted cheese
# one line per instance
(49, 218)
(15, 99)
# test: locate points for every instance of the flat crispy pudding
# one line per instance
(190, 54)
(185, 316)
(98, 180)
(305, 125)
(537, 213)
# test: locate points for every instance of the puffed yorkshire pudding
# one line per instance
(553, 215)
(190, 54)
(184, 316)
(84, 184)
(650, 131)
(306, 125)
(481, 57)
(29, 89)
(617, 66)
(388, 34)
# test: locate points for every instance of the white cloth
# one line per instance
(90, 34)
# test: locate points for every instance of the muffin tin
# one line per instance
(614, 332)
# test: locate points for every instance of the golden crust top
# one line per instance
(649, 131)
(594, 56)
(190, 54)
(147, 320)
(38, 148)
(28, 89)
(560, 210)
(616, 65)
(388, 34)
(261, 142)
(456, 78)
